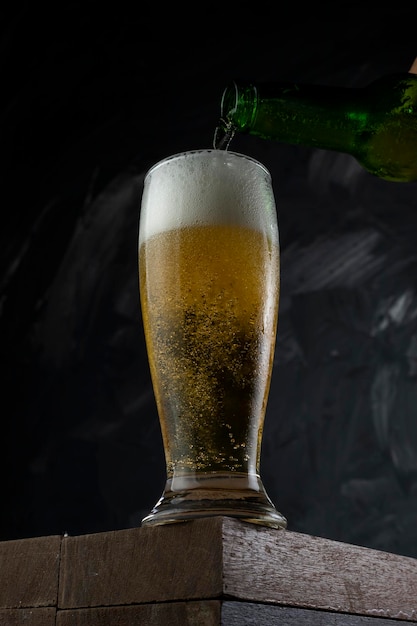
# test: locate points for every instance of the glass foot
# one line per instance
(212, 494)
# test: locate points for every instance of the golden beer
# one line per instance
(211, 338)
(209, 286)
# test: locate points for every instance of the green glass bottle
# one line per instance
(376, 124)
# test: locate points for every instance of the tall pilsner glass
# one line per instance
(209, 287)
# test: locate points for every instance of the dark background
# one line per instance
(91, 97)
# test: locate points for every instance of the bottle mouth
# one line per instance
(229, 101)
(225, 128)
(239, 105)
(237, 112)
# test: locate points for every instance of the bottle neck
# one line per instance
(311, 115)
(376, 124)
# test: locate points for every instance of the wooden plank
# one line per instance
(224, 558)
(212, 613)
(251, 614)
(212, 558)
(173, 562)
(28, 617)
(205, 613)
(294, 569)
(29, 572)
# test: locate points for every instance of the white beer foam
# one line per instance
(207, 187)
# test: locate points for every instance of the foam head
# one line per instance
(207, 187)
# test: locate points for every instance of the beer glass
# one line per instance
(209, 288)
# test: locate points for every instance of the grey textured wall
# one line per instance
(93, 97)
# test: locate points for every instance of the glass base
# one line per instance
(206, 495)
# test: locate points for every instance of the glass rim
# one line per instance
(179, 155)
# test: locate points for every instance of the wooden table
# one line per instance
(214, 571)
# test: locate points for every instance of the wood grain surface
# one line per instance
(212, 613)
(250, 614)
(204, 613)
(203, 572)
(173, 562)
(29, 572)
(300, 570)
(217, 558)
(28, 617)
